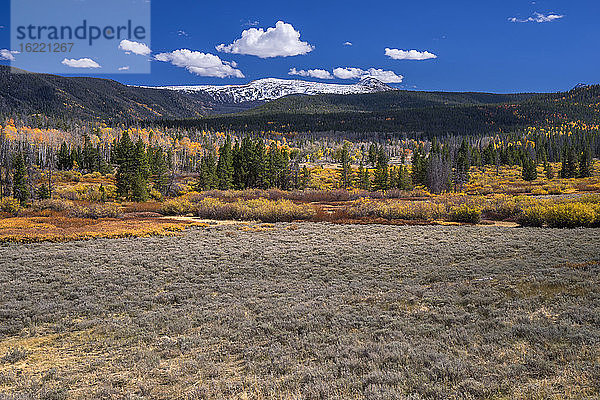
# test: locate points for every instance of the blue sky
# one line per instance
(550, 45)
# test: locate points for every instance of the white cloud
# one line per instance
(182, 33)
(313, 73)
(348, 73)
(397, 54)
(384, 76)
(6, 54)
(356, 73)
(125, 68)
(203, 64)
(347, 43)
(80, 63)
(281, 41)
(538, 17)
(129, 46)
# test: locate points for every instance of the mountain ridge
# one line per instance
(378, 109)
(274, 88)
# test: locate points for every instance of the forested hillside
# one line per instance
(94, 98)
(412, 113)
(394, 112)
(382, 101)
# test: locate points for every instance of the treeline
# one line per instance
(250, 163)
(139, 169)
(443, 166)
(253, 162)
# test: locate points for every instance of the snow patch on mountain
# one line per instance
(273, 88)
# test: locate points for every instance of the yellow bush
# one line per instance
(561, 215)
(571, 215)
(87, 192)
(156, 195)
(212, 208)
(52, 204)
(273, 211)
(10, 205)
(534, 215)
(177, 206)
(394, 209)
(256, 209)
(95, 211)
(465, 213)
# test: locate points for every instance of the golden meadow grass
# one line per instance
(62, 229)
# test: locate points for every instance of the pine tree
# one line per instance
(76, 157)
(363, 177)
(381, 178)
(585, 163)
(304, 177)
(393, 178)
(372, 155)
(569, 163)
(529, 171)
(64, 160)
(259, 162)
(208, 171)
(133, 170)
(225, 166)
(20, 187)
(139, 187)
(404, 180)
(419, 166)
(548, 171)
(88, 156)
(346, 170)
(159, 169)
(463, 164)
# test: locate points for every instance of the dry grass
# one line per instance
(56, 228)
(312, 311)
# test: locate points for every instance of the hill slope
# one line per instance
(27, 93)
(414, 113)
(383, 101)
(374, 109)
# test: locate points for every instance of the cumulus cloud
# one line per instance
(538, 18)
(80, 63)
(203, 64)
(6, 54)
(281, 41)
(312, 73)
(397, 54)
(348, 73)
(125, 68)
(358, 73)
(129, 46)
(347, 43)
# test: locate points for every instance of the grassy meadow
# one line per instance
(304, 310)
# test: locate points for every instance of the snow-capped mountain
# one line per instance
(273, 88)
